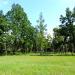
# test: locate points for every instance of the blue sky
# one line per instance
(51, 9)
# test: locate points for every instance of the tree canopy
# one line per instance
(18, 35)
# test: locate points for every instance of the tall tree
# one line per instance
(20, 27)
(67, 27)
(41, 28)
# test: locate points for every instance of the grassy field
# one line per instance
(37, 65)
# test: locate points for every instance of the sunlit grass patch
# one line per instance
(37, 65)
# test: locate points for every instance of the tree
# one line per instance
(20, 27)
(3, 32)
(48, 42)
(67, 27)
(57, 41)
(41, 28)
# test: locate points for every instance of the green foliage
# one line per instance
(20, 26)
(18, 35)
(65, 34)
(41, 28)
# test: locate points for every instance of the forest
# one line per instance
(18, 35)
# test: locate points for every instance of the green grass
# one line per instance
(37, 65)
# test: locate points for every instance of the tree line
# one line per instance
(18, 35)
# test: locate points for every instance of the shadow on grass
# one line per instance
(52, 54)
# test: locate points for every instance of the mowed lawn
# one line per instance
(37, 65)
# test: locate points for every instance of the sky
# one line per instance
(51, 9)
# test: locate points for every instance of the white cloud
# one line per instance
(4, 2)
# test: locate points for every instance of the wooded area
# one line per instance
(17, 34)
